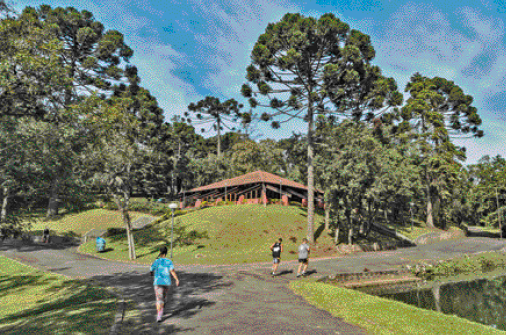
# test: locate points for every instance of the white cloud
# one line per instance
(235, 27)
(487, 29)
(421, 39)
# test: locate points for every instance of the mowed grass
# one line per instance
(79, 224)
(34, 302)
(382, 316)
(237, 234)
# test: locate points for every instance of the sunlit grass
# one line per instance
(237, 234)
(79, 224)
(382, 316)
(34, 302)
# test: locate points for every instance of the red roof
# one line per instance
(252, 178)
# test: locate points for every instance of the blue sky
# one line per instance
(186, 50)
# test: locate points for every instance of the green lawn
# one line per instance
(80, 224)
(34, 302)
(382, 316)
(237, 234)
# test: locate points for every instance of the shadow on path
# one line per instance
(184, 301)
(24, 246)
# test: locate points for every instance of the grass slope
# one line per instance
(80, 224)
(382, 316)
(34, 302)
(237, 234)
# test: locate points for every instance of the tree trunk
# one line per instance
(350, 227)
(219, 139)
(430, 219)
(52, 208)
(310, 174)
(350, 235)
(437, 297)
(130, 236)
(327, 215)
(5, 202)
(123, 207)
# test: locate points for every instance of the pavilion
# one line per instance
(257, 187)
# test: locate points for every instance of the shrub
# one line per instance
(181, 235)
(115, 231)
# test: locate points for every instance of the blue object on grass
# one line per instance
(100, 244)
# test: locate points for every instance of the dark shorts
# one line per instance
(276, 260)
(303, 260)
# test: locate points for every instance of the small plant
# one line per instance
(182, 236)
(115, 231)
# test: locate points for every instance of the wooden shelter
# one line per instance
(257, 187)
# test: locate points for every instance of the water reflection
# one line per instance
(482, 300)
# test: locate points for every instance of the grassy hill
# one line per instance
(237, 234)
(80, 224)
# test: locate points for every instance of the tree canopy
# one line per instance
(302, 67)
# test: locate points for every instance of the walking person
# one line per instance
(277, 249)
(162, 269)
(304, 250)
(45, 235)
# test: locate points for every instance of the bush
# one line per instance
(115, 231)
(225, 203)
(182, 237)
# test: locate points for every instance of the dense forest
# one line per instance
(77, 125)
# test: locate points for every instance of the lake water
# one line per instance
(481, 300)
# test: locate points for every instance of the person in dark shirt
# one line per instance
(276, 249)
(45, 235)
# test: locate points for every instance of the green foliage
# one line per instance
(476, 264)
(218, 114)
(364, 177)
(113, 231)
(182, 235)
(301, 66)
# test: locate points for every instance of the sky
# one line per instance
(187, 50)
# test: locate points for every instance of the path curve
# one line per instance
(228, 299)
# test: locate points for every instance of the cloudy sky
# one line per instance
(186, 50)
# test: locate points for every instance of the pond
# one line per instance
(480, 300)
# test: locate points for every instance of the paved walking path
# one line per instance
(242, 299)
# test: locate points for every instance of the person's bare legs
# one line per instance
(275, 266)
(304, 268)
(300, 268)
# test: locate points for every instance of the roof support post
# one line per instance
(264, 195)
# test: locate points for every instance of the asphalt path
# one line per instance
(234, 299)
